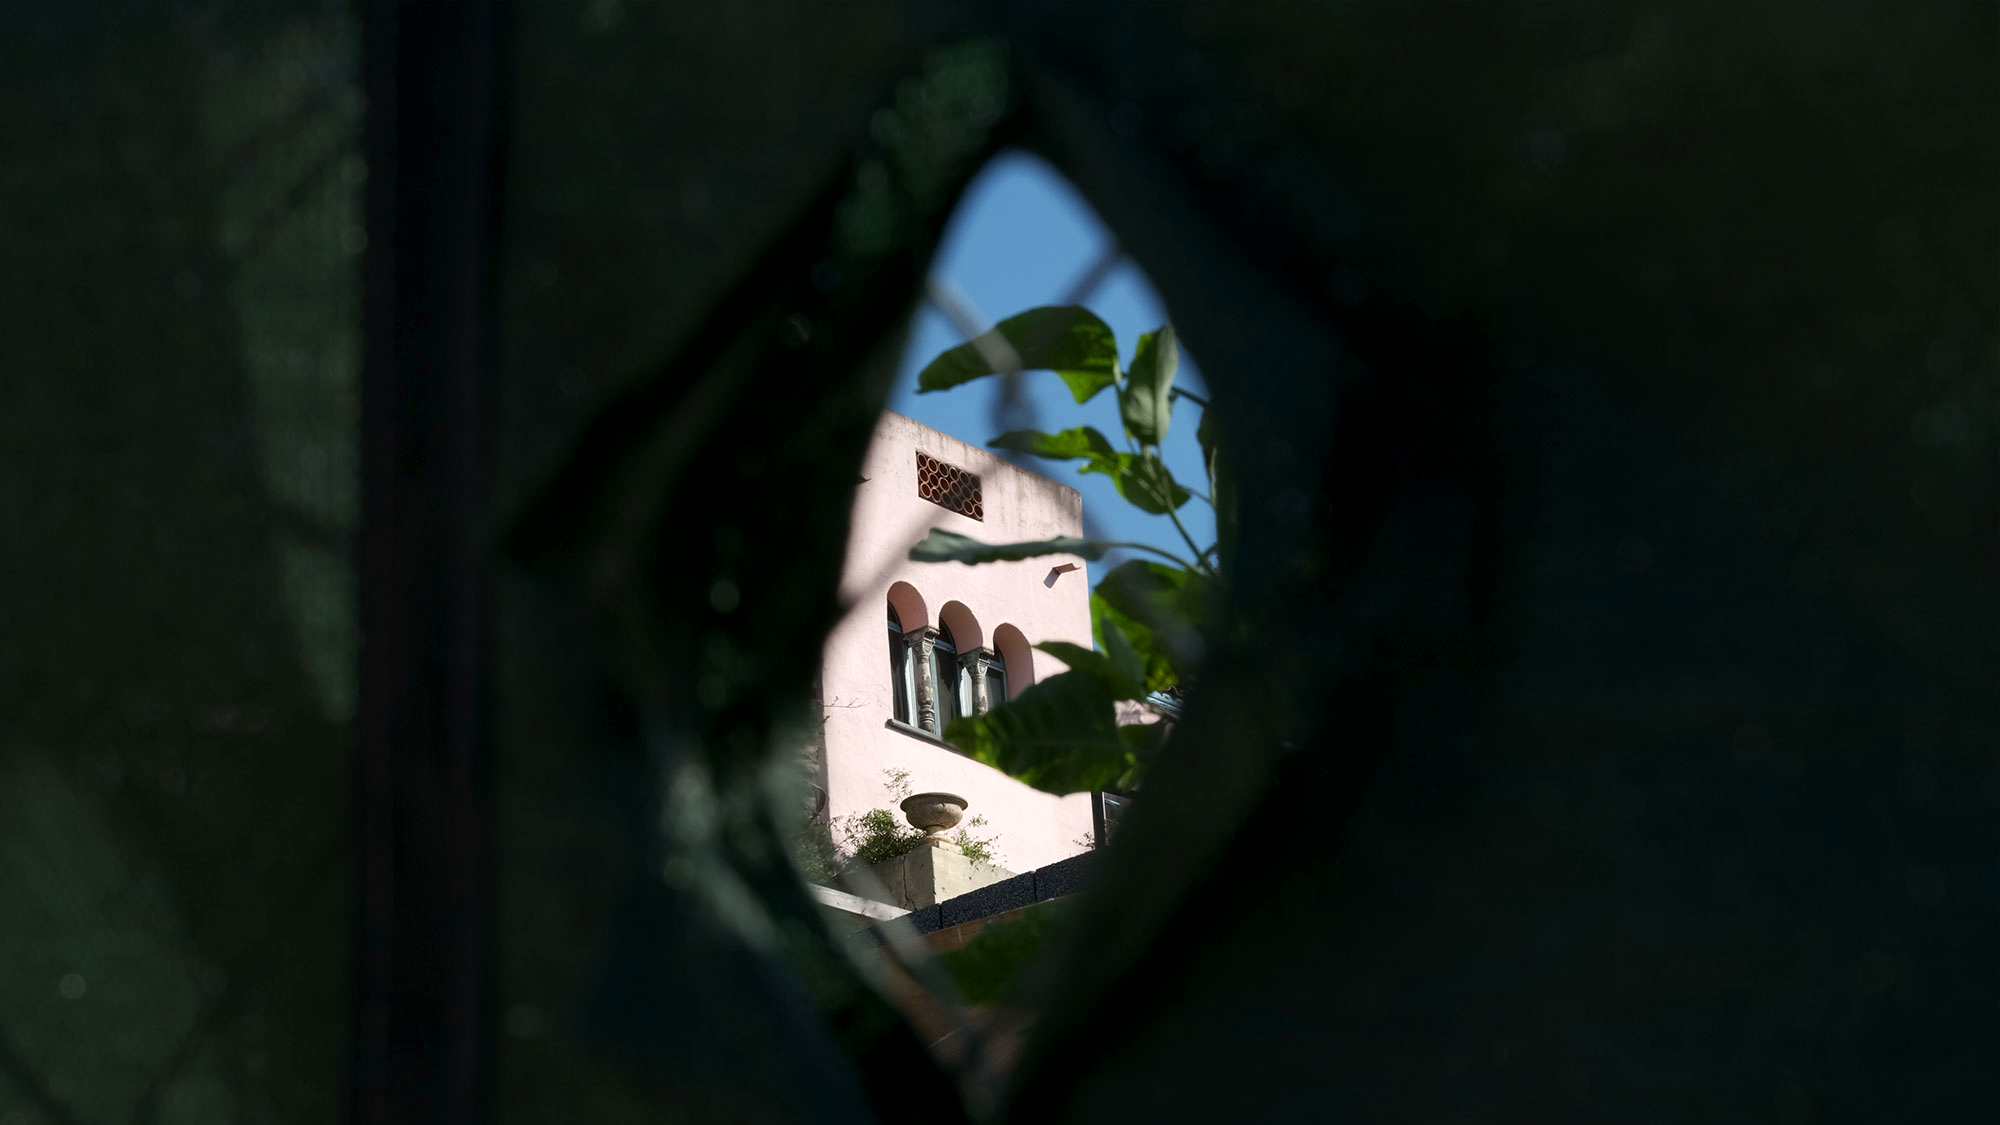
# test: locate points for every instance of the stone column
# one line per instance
(919, 641)
(974, 662)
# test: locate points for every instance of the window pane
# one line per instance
(899, 674)
(944, 682)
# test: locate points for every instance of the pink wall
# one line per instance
(1032, 828)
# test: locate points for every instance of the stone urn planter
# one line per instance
(934, 813)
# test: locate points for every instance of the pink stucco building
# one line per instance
(923, 642)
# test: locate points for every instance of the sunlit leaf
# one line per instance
(1143, 480)
(1083, 441)
(1070, 341)
(1146, 400)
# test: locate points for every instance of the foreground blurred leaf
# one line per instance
(1142, 741)
(1060, 735)
(949, 546)
(1070, 341)
(1123, 676)
(988, 969)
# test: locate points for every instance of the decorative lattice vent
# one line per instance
(949, 486)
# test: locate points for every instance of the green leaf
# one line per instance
(1160, 609)
(1070, 341)
(1146, 401)
(1147, 484)
(949, 546)
(1143, 480)
(1221, 489)
(1159, 670)
(1123, 675)
(1144, 740)
(1060, 736)
(1123, 656)
(1083, 441)
(1151, 590)
(1205, 434)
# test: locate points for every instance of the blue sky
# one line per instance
(1023, 237)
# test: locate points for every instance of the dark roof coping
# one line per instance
(1064, 877)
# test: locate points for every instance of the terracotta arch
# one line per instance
(1013, 647)
(909, 606)
(965, 630)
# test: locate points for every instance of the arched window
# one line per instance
(902, 684)
(996, 679)
(946, 679)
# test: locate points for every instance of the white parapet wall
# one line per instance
(932, 874)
